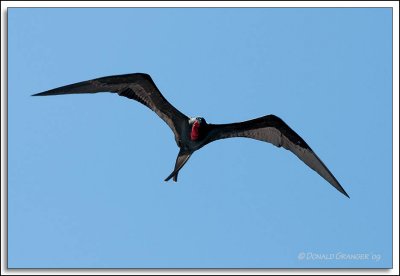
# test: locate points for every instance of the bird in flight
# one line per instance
(192, 134)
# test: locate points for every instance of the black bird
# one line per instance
(191, 134)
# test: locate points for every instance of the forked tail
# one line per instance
(183, 157)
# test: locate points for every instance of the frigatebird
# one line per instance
(191, 134)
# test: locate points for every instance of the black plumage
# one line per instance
(191, 134)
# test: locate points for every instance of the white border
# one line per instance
(199, 4)
(7, 4)
(396, 164)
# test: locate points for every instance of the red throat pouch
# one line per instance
(194, 134)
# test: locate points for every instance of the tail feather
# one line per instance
(175, 179)
(181, 160)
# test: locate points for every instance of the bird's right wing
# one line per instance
(273, 130)
(138, 86)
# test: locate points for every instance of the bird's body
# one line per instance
(191, 134)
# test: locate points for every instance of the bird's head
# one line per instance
(197, 123)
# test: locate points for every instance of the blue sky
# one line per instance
(85, 172)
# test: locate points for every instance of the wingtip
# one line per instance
(39, 94)
(344, 192)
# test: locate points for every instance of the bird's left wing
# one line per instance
(273, 130)
(138, 86)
